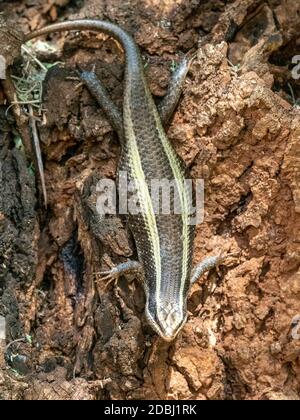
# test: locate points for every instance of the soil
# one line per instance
(68, 336)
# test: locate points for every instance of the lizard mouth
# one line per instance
(166, 330)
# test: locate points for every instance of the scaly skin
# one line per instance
(164, 242)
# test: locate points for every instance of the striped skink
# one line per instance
(164, 242)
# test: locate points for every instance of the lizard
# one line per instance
(164, 243)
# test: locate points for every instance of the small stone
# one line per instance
(275, 348)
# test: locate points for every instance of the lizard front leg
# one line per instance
(129, 267)
(208, 264)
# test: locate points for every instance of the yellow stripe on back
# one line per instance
(185, 210)
(144, 197)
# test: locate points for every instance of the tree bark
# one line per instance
(69, 335)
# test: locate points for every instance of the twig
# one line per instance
(21, 120)
(38, 153)
(19, 340)
(34, 58)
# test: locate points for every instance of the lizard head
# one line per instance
(166, 319)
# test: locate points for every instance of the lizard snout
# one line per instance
(168, 320)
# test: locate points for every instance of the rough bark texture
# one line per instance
(238, 128)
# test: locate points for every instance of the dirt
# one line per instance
(236, 127)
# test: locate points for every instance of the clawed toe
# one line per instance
(223, 256)
(108, 276)
(233, 254)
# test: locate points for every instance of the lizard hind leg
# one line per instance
(167, 105)
(99, 92)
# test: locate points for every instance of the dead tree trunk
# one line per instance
(68, 336)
